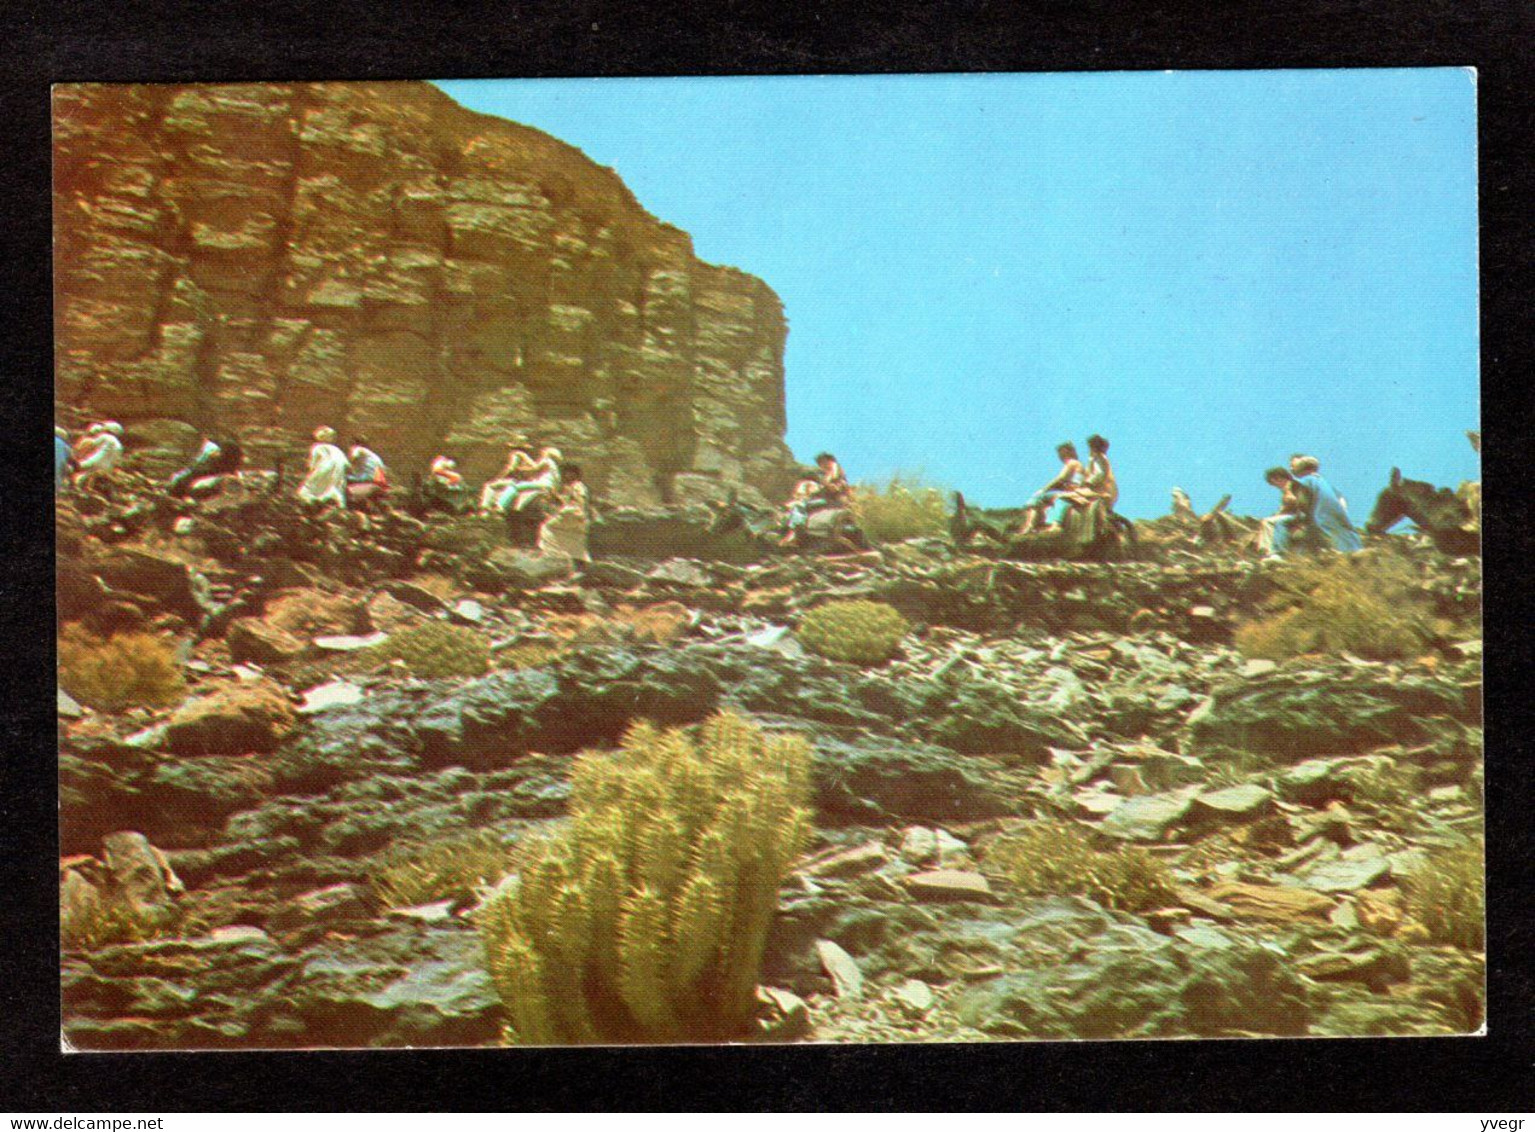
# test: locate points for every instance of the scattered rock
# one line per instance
(350, 642)
(254, 640)
(844, 972)
(68, 708)
(945, 885)
(336, 693)
(231, 721)
(467, 611)
(784, 1017)
(1149, 817)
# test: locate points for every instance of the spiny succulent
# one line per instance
(861, 632)
(646, 920)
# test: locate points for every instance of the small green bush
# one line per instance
(1060, 859)
(901, 509)
(1369, 604)
(438, 650)
(862, 632)
(1446, 895)
(123, 671)
(646, 919)
(446, 870)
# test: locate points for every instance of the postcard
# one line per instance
(862, 559)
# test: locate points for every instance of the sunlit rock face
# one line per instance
(268, 258)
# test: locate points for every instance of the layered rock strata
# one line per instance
(267, 258)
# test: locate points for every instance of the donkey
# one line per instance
(1445, 516)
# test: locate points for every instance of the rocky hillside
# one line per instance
(1066, 806)
(268, 258)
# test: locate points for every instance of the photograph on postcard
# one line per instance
(841, 559)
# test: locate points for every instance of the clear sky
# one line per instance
(1212, 269)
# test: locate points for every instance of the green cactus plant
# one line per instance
(646, 920)
(861, 632)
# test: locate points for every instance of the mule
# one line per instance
(1444, 515)
(1094, 533)
(831, 530)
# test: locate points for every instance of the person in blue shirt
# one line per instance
(1328, 511)
(62, 455)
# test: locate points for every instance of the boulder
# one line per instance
(1150, 817)
(844, 972)
(238, 718)
(172, 583)
(507, 568)
(254, 640)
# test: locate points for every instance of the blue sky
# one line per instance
(1213, 269)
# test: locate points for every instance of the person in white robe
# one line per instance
(326, 481)
(564, 532)
(99, 453)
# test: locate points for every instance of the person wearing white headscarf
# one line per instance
(99, 453)
(545, 477)
(326, 481)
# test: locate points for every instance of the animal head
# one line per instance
(1428, 506)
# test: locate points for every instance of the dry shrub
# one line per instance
(1060, 859)
(662, 623)
(903, 508)
(122, 671)
(862, 632)
(1446, 896)
(533, 654)
(438, 585)
(447, 870)
(1368, 604)
(438, 650)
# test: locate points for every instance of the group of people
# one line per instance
(1074, 486)
(356, 478)
(1305, 500)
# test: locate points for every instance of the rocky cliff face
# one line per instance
(268, 258)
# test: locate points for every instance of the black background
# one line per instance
(42, 43)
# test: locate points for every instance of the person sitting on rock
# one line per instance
(325, 485)
(367, 479)
(518, 465)
(1098, 484)
(444, 486)
(1291, 513)
(216, 457)
(1067, 479)
(797, 510)
(833, 490)
(1327, 510)
(63, 457)
(565, 531)
(543, 477)
(98, 455)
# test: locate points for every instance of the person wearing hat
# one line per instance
(99, 454)
(326, 481)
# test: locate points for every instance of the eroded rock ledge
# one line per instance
(266, 258)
